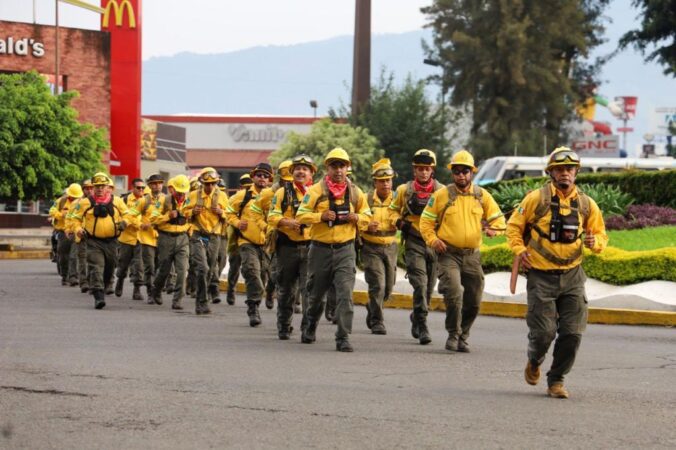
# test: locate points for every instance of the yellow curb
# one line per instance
(518, 310)
(25, 254)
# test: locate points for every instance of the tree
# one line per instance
(43, 147)
(658, 28)
(404, 121)
(326, 135)
(516, 64)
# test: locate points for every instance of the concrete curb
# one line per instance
(25, 254)
(607, 316)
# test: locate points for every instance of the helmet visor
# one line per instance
(100, 179)
(210, 177)
(566, 156)
(383, 173)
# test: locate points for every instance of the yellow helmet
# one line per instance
(181, 183)
(284, 170)
(245, 180)
(562, 156)
(87, 183)
(147, 190)
(74, 191)
(194, 183)
(463, 158)
(337, 154)
(303, 160)
(101, 179)
(382, 170)
(424, 157)
(208, 175)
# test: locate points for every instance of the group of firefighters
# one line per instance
(300, 239)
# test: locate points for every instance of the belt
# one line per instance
(553, 271)
(204, 234)
(172, 233)
(459, 251)
(375, 244)
(284, 240)
(380, 233)
(332, 246)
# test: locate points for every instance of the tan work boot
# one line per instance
(532, 374)
(557, 390)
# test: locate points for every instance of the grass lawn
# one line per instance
(631, 240)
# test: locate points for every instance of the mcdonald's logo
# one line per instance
(118, 9)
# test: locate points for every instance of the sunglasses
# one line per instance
(463, 171)
(261, 175)
(139, 187)
(563, 156)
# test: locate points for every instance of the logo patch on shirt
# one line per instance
(431, 202)
(274, 201)
(306, 199)
(520, 210)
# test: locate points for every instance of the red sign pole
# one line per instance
(122, 18)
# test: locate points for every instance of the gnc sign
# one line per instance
(118, 9)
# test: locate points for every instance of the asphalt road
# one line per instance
(141, 376)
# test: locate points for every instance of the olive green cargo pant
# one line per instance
(63, 254)
(254, 263)
(421, 271)
(380, 271)
(172, 250)
(234, 264)
(204, 260)
(72, 264)
(101, 254)
(461, 283)
(130, 260)
(331, 266)
(557, 304)
(290, 274)
(148, 255)
(82, 263)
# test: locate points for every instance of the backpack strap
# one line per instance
(248, 195)
(62, 202)
(351, 189)
(453, 193)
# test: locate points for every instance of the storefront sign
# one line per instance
(607, 146)
(240, 133)
(22, 47)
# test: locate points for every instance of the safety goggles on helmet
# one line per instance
(100, 180)
(210, 177)
(304, 160)
(566, 155)
(424, 158)
(383, 173)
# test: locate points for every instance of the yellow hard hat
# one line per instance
(303, 160)
(424, 157)
(284, 170)
(87, 183)
(74, 191)
(463, 158)
(208, 175)
(181, 183)
(147, 190)
(563, 156)
(382, 170)
(245, 180)
(101, 179)
(194, 183)
(337, 154)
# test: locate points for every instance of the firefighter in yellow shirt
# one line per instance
(101, 218)
(80, 244)
(451, 224)
(332, 208)
(379, 250)
(168, 215)
(293, 239)
(234, 261)
(205, 210)
(249, 220)
(59, 213)
(546, 233)
(129, 250)
(147, 234)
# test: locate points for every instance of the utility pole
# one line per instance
(361, 68)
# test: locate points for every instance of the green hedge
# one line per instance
(613, 265)
(655, 187)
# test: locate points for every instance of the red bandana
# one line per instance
(337, 189)
(178, 197)
(302, 187)
(105, 198)
(423, 190)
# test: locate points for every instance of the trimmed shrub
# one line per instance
(642, 216)
(612, 266)
(610, 199)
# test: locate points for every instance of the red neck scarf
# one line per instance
(105, 198)
(302, 187)
(337, 189)
(178, 197)
(423, 190)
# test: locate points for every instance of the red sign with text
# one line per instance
(122, 18)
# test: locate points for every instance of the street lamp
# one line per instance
(313, 105)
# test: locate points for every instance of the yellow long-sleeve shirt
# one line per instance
(525, 214)
(101, 227)
(316, 202)
(130, 234)
(254, 215)
(400, 210)
(206, 221)
(381, 213)
(160, 215)
(59, 211)
(277, 214)
(70, 223)
(150, 205)
(460, 224)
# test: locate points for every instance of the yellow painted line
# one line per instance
(606, 316)
(25, 254)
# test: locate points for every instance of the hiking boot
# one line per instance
(557, 390)
(64, 282)
(136, 295)
(176, 305)
(368, 319)
(284, 333)
(254, 315)
(414, 327)
(99, 299)
(424, 334)
(84, 289)
(109, 289)
(452, 343)
(463, 347)
(119, 286)
(378, 328)
(330, 315)
(215, 295)
(230, 298)
(72, 283)
(269, 299)
(532, 373)
(202, 309)
(344, 346)
(149, 292)
(297, 309)
(309, 336)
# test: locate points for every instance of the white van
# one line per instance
(512, 167)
